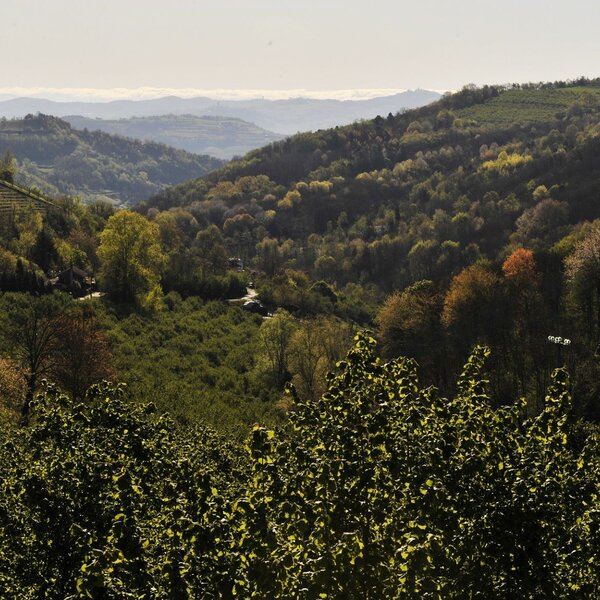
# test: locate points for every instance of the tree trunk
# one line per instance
(31, 385)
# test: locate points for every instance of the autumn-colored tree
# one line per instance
(472, 308)
(409, 325)
(81, 356)
(31, 331)
(470, 293)
(528, 351)
(520, 268)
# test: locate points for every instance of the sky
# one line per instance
(279, 48)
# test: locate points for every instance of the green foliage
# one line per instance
(107, 501)
(382, 489)
(378, 489)
(274, 339)
(194, 361)
(131, 259)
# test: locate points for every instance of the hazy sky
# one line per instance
(283, 44)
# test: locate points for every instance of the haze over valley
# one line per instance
(286, 116)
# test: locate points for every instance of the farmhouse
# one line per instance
(73, 280)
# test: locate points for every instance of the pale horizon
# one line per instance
(149, 93)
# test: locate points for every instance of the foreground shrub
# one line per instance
(382, 489)
(106, 500)
(378, 489)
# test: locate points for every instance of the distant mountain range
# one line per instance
(223, 137)
(281, 116)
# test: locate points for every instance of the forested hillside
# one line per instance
(412, 412)
(60, 160)
(475, 212)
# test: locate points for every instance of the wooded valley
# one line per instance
(414, 414)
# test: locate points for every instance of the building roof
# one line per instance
(76, 271)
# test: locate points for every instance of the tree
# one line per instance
(268, 256)
(582, 269)
(32, 330)
(409, 325)
(543, 224)
(8, 167)
(44, 252)
(469, 298)
(529, 360)
(131, 258)
(171, 236)
(326, 267)
(29, 223)
(422, 258)
(209, 249)
(520, 268)
(313, 350)
(472, 311)
(82, 356)
(274, 339)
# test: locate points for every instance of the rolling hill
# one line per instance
(223, 137)
(468, 117)
(387, 198)
(479, 216)
(59, 159)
